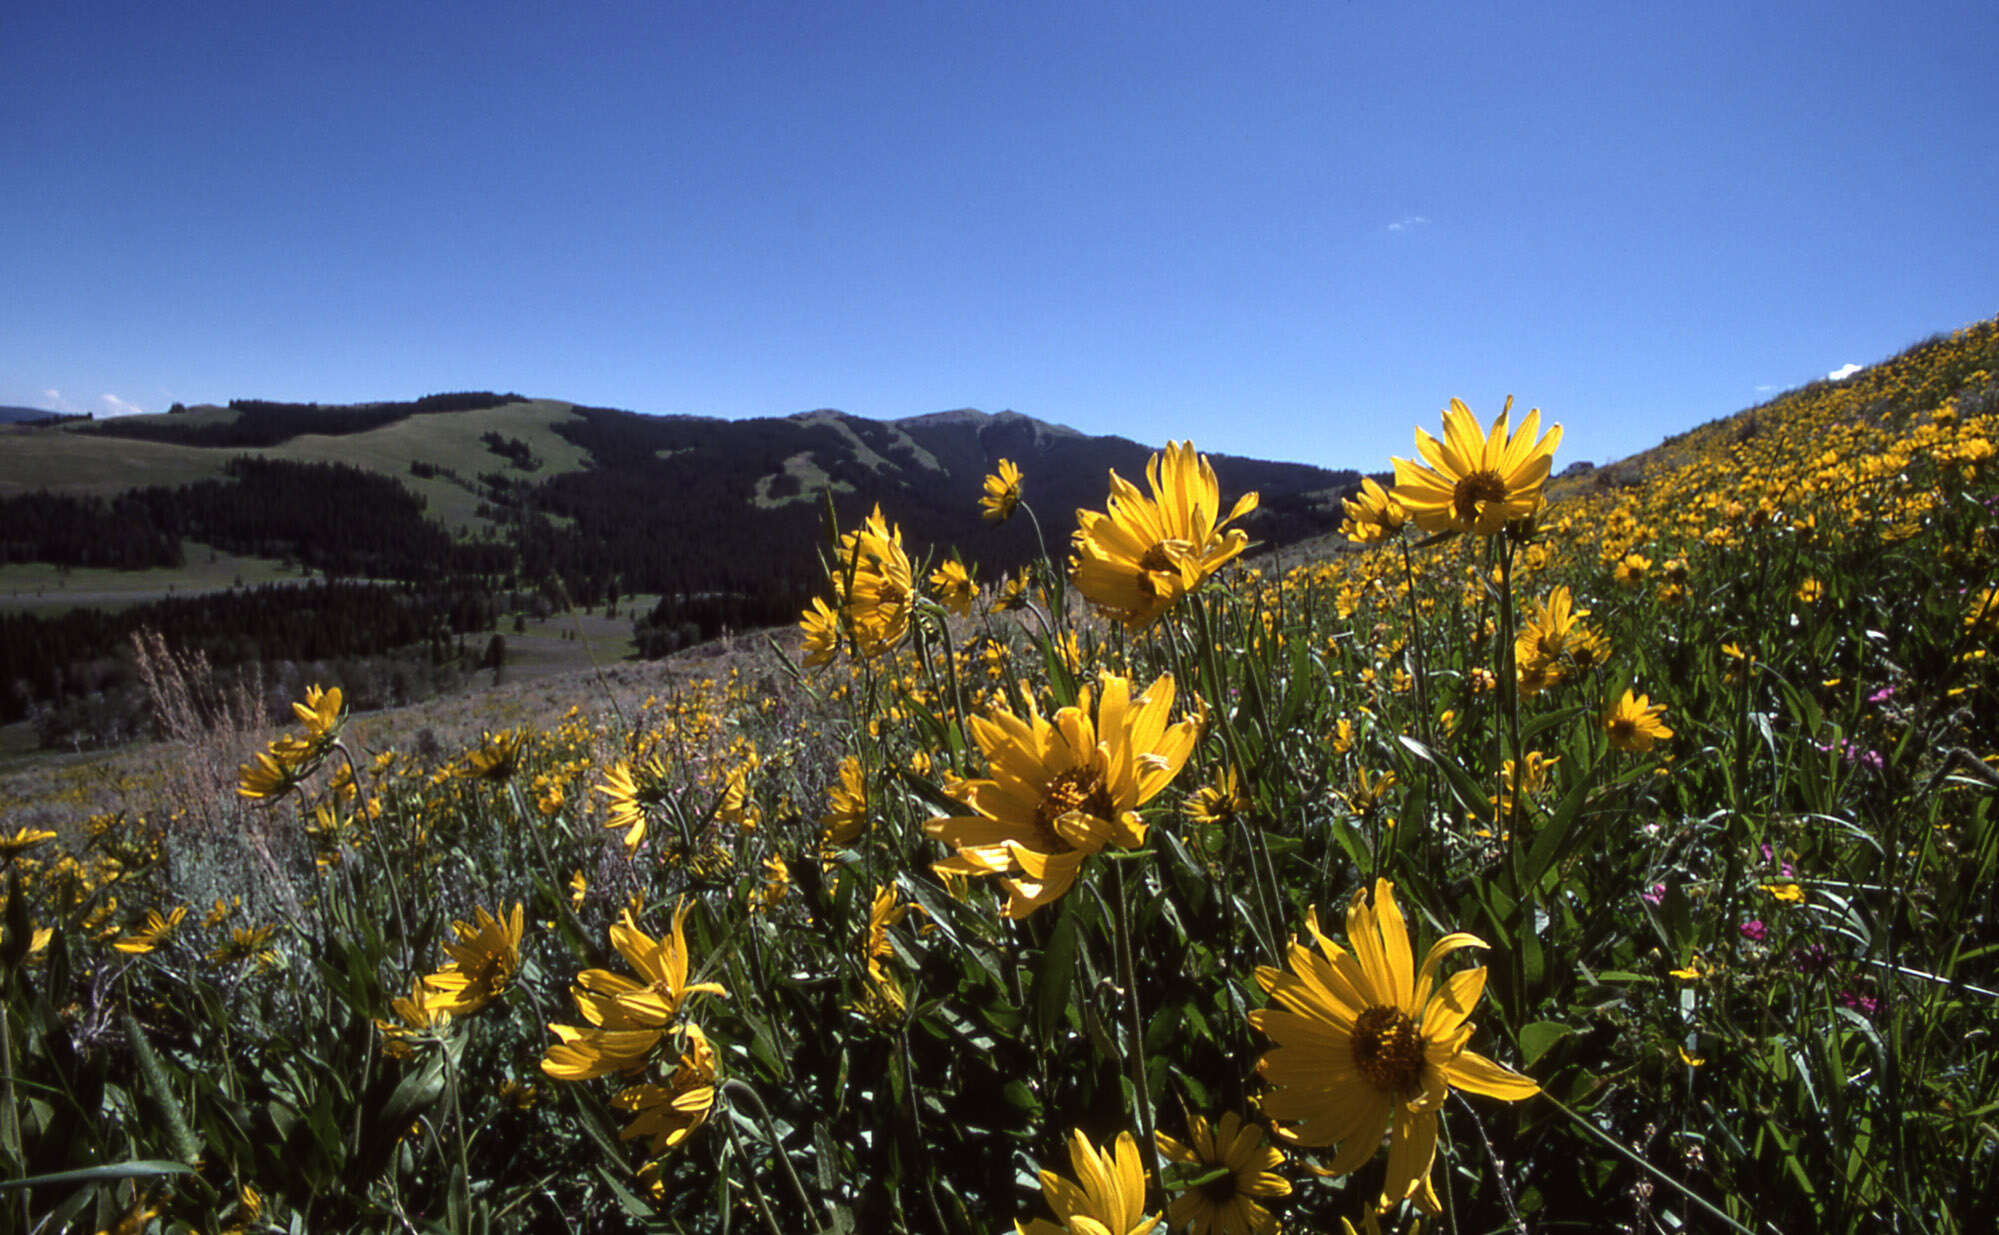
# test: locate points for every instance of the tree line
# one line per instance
(329, 517)
(46, 660)
(262, 422)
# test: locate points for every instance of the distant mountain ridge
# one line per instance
(479, 505)
(606, 500)
(756, 489)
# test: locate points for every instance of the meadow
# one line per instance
(1611, 852)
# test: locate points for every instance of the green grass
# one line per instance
(565, 644)
(811, 480)
(87, 465)
(48, 591)
(67, 461)
(448, 440)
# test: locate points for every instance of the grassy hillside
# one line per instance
(36, 587)
(753, 465)
(1629, 864)
(479, 509)
(69, 462)
(73, 458)
(453, 442)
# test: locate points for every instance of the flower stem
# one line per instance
(461, 1177)
(757, 1199)
(1127, 978)
(1645, 1166)
(1423, 718)
(736, 1089)
(916, 1122)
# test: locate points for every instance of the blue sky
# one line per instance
(1282, 229)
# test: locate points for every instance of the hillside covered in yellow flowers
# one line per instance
(1615, 850)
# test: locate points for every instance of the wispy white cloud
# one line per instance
(57, 403)
(1843, 372)
(1408, 223)
(1764, 388)
(119, 407)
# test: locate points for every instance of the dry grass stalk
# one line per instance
(215, 723)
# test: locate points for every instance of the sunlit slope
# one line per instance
(454, 441)
(71, 463)
(72, 460)
(1826, 439)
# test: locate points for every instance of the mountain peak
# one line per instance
(979, 420)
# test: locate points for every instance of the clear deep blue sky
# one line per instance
(1282, 229)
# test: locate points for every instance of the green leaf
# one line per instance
(417, 1093)
(1535, 1039)
(1050, 996)
(628, 1200)
(1021, 1097)
(1188, 877)
(138, 1168)
(1535, 726)
(1533, 963)
(1463, 787)
(1554, 839)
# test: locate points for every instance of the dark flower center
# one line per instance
(1623, 729)
(1157, 560)
(1220, 1191)
(1076, 789)
(1388, 1049)
(1474, 491)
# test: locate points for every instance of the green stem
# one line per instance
(959, 712)
(1127, 978)
(1268, 892)
(916, 1123)
(758, 1200)
(461, 1182)
(736, 1089)
(1509, 687)
(10, 1115)
(531, 824)
(1645, 1166)
(381, 855)
(1416, 648)
(1058, 590)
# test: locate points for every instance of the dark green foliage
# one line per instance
(45, 660)
(329, 517)
(120, 533)
(671, 502)
(260, 422)
(513, 450)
